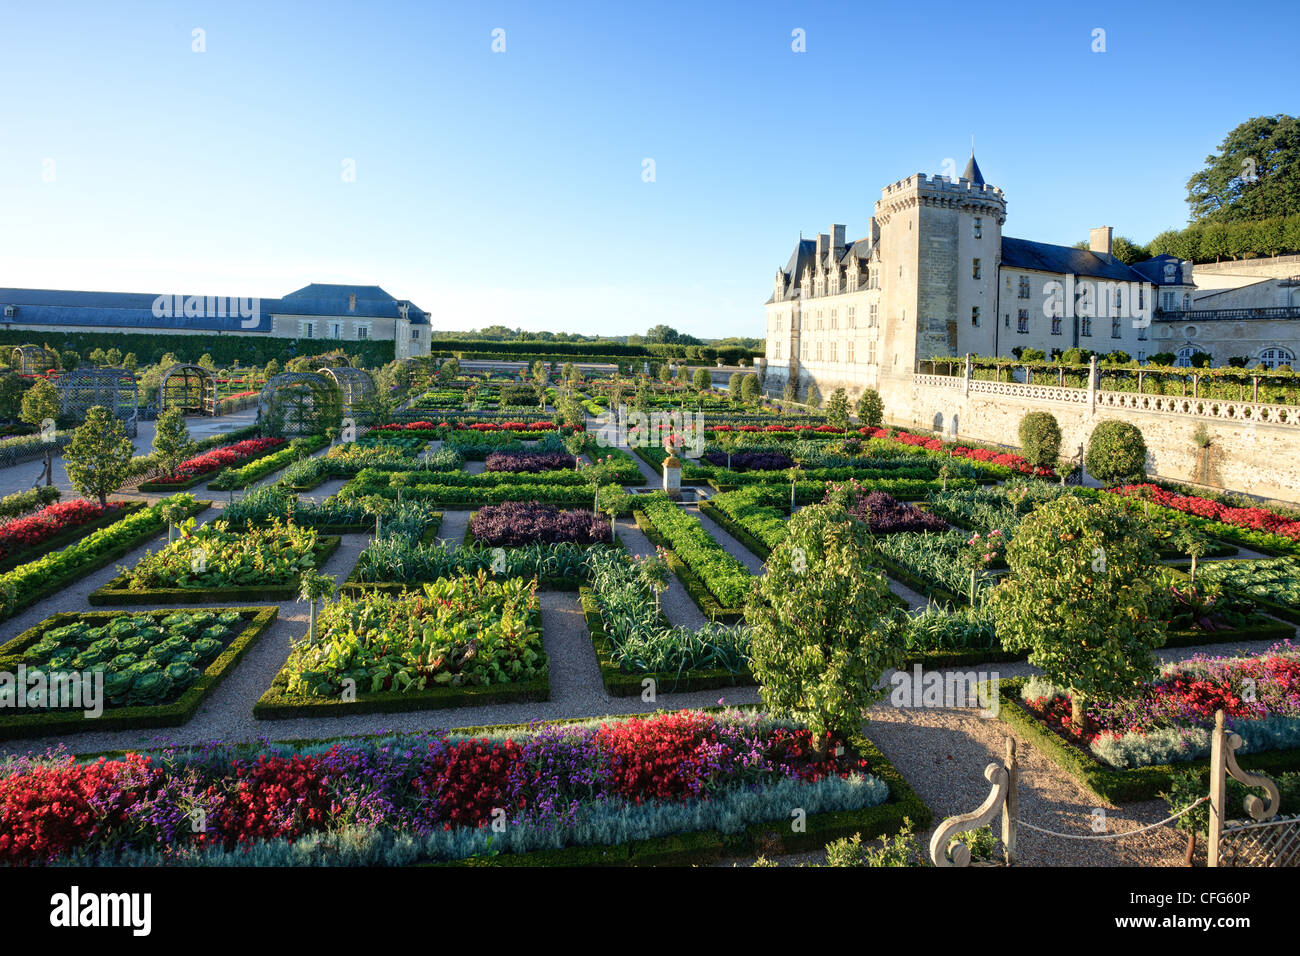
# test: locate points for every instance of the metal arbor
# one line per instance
(113, 388)
(191, 388)
(354, 384)
(33, 360)
(299, 403)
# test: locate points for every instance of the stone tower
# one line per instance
(941, 244)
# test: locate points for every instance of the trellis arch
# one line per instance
(113, 388)
(191, 388)
(299, 403)
(33, 359)
(354, 384)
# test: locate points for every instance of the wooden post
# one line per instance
(967, 381)
(1218, 786)
(1011, 806)
(1092, 384)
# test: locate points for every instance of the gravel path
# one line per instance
(675, 602)
(453, 528)
(729, 544)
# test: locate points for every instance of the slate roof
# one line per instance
(1045, 257)
(133, 310)
(973, 171)
(1154, 270)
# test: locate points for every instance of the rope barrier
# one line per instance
(1114, 836)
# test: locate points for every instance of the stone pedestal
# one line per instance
(673, 477)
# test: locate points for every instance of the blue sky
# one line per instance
(508, 187)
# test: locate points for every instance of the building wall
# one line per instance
(1258, 459)
(1229, 275)
(1226, 338)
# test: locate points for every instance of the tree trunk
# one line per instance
(49, 468)
(1191, 848)
(1078, 712)
(1193, 569)
(311, 621)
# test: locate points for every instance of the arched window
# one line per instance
(1185, 354)
(1272, 358)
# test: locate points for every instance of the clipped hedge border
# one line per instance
(51, 585)
(278, 704)
(172, 714)
(777, 836)
(1283, 611)
(735, 529)
(1108, 783)
(266, 465)
(619, 683)
(704, 599)
(116, 591)
(71, 535)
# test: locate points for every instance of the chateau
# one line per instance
(935, 277)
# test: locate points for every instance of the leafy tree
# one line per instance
(733, 385)
(113, 357)
(69, 360)
(871, 409)
(98, 357)
(40, 402)
(205, 361)
(791, 391)
(171, 440)
(823, 624)
(813, 397)
(1254, 175)
(312, 587)
(703, 380)
(1040, 439)
(99, 456)
(1081, 598)
(1117, 453)
(11, 395)
(129, 360)
(664, 373)
(683, 374)
(837, 409)
(272, 368)
(750, 389)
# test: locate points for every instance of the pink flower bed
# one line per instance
(219, 458)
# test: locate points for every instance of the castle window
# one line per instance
(1187, 301)
(819, 351)
(1142, 333)
(1024, 288)
(1022, 321)
(1085, 326)
(979, 228)
(819, 319)
(778, 349)
(1115, 328)
(1185, 354)
(336, 330)
(975, 315)
(832, 351)
(835, 318)
(1272, 358)
(804, 351)
(849, 351)
(363, 331)
(873, 315)
(975, 269)
(1056, 325)
(852, 312)
(1006, 319)
(871, 352)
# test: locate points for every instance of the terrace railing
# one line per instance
(1266, 839)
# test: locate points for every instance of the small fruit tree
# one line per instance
(703, 380)
(750, 389)
(1116, 453)
(1040, 439)
(99, 455)
(1081, 598)
(171, 440)
(823, 624)
(837, 409)
(41, 404)
(871, 410)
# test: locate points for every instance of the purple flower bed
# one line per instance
(751, 460)
(528, 461)
(887, 515)
(519, 522)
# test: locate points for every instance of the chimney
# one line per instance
(352, 302)
(837, 241)
(1099, 240)
(823, 246)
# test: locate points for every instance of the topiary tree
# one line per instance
(1116, 454)
(703, 380)
(750, 389)
(733, 386)
(837, 409)
(99, 455)
(312, 587)
(813, 397)
(171, 440)
(871, 410)
(1040, 439)
(1081, 599)
(823, 624)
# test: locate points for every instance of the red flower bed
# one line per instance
(474, 426)
(1256, 519)
(218, 458)
(30, 530)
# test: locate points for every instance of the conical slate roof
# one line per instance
(973, 171)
